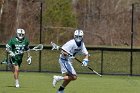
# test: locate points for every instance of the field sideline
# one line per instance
(42, 83)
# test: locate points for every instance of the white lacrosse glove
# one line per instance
(29, 60)
(54, 46)
(85, 62)
(12, 54)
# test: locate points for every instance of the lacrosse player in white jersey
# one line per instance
(69, 49)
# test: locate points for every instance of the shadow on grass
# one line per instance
(15, 87)
(10, 86)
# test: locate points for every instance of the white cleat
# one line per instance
(55, 80)
(17, 85)
(60, 91)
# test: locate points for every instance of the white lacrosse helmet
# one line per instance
(78, 35)
(20, 33)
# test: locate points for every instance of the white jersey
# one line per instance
(65, 61)
(72, 48)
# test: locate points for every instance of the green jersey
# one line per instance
(18, 47)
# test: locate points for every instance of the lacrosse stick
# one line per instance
(39, 47)
(8, 63)
(55, 46)
(88, 67)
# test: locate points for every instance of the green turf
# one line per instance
(41, 83)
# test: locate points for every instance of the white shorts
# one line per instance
(66, 66)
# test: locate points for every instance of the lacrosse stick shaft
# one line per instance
(88, 67)
(36, 48)
(56, 47)
(39, 47)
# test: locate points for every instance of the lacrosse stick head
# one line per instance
(54, 46)
(38, 47)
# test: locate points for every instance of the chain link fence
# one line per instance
(111, 32)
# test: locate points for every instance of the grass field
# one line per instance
(42, 83)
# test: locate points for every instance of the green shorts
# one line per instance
(16, 61)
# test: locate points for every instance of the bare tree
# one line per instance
(1, 8)
(18, 12)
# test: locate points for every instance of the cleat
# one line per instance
(55, 80)
(17, 85)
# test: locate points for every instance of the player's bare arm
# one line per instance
(64, 53)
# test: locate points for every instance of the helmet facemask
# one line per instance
(78, 35)
(20, 33)
(78, 38)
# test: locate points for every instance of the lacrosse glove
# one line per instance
(85, 62)
(12, 54)
(29, 60)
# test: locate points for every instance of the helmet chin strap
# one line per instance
(78, 43)
(19, 39)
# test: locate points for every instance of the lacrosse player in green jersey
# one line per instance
(16, 48)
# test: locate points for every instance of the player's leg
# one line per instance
(67, 79)
(15, 71)
(65, 65)
(70, 74)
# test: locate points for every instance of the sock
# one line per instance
(17, 82)
(61, 88)
(60, 77)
